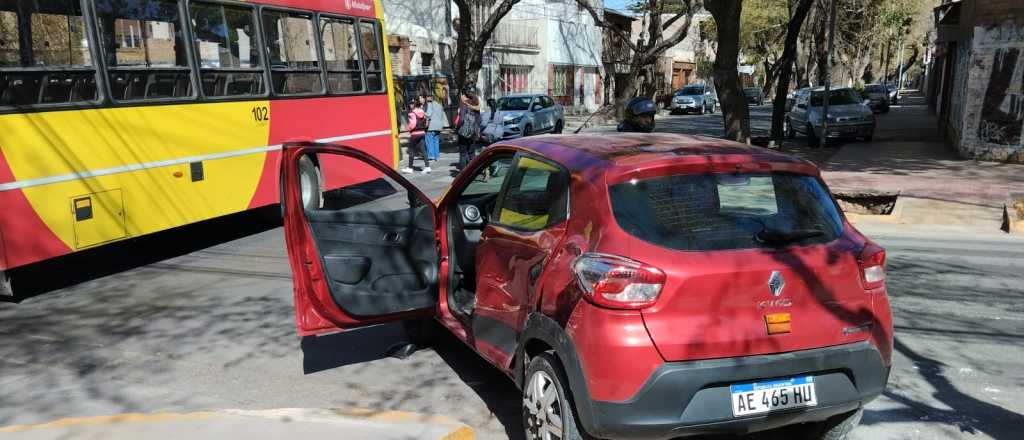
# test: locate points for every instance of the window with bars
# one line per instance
(561, 84)
(514, 79)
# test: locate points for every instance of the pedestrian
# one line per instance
(468, 125)
(435, 123)
(417, 132)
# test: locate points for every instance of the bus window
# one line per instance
(341, 55)
(44, 53)
(227, 50)
(373, 61)
(291, 49)
(143, 49)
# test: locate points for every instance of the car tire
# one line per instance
(558, 127)
(310, 179)
(527, 130)
(869, 137)
(812, 139)
(544, 375)
(703, 109)
(835, 428)
(790, 131)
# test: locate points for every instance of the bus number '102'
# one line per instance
(260, 113)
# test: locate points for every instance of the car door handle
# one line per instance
(392, 237)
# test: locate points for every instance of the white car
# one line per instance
(528, 114)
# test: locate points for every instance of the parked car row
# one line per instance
(851, 114)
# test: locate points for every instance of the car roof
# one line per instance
(523, 95)
(597, 152)
(831, 89)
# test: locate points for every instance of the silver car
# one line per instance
(876, 97)
(848, 117)
(525, 115)
(697, 98)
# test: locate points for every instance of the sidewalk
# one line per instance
(935, 186)
(251, 425)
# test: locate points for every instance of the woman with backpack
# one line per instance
(417, 132)
(468, 125)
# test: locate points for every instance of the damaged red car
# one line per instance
(632, 286)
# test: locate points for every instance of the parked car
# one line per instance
(754, 95)
(793, 96)
(697, 98)
(529, 114)
(848, 116)
(876, 97)
(893, 88)
(631, 285)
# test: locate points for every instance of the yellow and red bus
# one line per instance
(121, 118)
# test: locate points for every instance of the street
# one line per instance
(204, 321)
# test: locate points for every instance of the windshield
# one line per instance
(836, 97)
(689, 91)
(751, 92)
(706, 212)
(515, 103)
(874, 89)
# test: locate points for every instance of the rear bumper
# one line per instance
(692, 398)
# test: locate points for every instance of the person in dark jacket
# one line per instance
(468, 125)
(639, 117)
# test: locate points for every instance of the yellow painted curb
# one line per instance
(456, 429)
(110, 420)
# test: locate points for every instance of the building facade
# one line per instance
(975, 77)
(547, 46)
(420, 38)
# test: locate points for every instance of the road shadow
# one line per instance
(497, 391)
(90, 264)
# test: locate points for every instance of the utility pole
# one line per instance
(828, 74)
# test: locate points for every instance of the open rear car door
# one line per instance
(361, 240)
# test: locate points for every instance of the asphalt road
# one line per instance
(200, 318)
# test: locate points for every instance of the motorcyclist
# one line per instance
(639, 116)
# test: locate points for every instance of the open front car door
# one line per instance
(361, 240)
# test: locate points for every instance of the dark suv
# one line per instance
(640, 286)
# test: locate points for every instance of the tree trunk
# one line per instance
(625, 92)
(771, 72)
(727, 80)
(796, 21)
(821, 48)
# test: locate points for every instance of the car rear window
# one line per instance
(707, 212)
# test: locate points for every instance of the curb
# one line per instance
(382, 424)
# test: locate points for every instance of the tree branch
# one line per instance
(600, 22)
(677, 37)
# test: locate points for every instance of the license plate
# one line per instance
(762, 397)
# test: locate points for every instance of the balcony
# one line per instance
(515, 36)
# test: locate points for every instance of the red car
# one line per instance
(640, 286)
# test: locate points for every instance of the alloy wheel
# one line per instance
(543, 408)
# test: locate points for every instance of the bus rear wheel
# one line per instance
(310, 183)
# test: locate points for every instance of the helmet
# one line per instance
(639, 116)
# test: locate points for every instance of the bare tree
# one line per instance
(798, 10)
(727, 80)
(645, 53)
(477, 21)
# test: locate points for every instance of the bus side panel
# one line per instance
(362, 122)
(137, 170)
(24, 237)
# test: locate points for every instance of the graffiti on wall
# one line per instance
(1002, 110)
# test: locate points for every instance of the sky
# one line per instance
(616, 4)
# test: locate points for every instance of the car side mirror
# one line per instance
(537, 107)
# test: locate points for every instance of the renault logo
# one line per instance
(776, 283)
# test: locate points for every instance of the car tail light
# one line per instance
(872, 266)
(618, 282)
